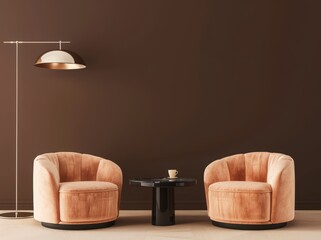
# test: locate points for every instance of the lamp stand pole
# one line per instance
(21, 214)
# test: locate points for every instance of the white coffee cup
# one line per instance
(172, 173)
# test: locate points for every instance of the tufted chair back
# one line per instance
(75, 166)
(72, 167)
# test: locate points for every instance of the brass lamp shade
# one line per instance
(60, 60)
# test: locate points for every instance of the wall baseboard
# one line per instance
(22, 205)
(179, 205)
(308, 205)
(146, 205)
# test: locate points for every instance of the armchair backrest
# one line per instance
(74, 166)
(77, 167)
(252, 166)
(248, 167)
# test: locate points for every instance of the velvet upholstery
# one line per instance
(252, 188)
(74, 188)
(88, 201)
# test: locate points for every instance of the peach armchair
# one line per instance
(251, 191)
(76, 191)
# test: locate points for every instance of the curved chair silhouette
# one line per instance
(76, 191)
(250, 191)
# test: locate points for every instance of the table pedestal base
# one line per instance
(163, 212)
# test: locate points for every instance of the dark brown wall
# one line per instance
(169, 84)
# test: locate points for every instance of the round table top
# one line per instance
(163, 182)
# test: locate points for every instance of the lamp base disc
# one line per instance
(16, 215)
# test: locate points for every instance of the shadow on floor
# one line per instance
(132, 220)
(142, 220)
(304, 225)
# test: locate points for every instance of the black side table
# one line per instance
(163, 211)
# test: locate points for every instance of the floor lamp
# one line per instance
(57, 60)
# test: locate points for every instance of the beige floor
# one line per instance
(189, 225)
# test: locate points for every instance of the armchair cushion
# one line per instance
(88, 201)
(240, 201)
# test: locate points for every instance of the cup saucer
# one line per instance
(171, 177)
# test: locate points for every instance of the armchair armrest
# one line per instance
(109, 171)
(281, 177)
(46, 188)
(216, 171)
